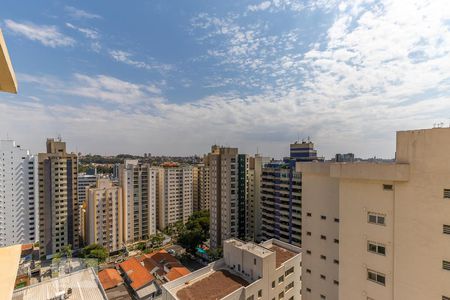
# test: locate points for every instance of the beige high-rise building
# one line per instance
(59, 223)
(196, 188)
(255, 207)
(174, 194)
(138, 183)
(223, 176)
(380, 230)
(104, 215)
(204, 185)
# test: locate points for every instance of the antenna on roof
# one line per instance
(59, 138)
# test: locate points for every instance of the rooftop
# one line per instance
(281, 254)
(109, 278)
(177, 272)
(218, 284)
(138, 275)
(84, 285)
(118, 293)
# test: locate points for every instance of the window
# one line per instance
(273, 284)
(446, 229)
(323, 257)
(336, 241)
(322, 237)
(259, 293)
(336, 282)
(308, 271)
(290, 271)
(323, 277)
(251, 297)
(446, 193)
(336, 261)
(323, 217)
(254, 261)
(446, 265)
(281, 295)
(308, 290)
(376, 248)
(281, 279)
(308, 252)
(308, 214)
(289, 286)
(336, 220)
(308, 233)
(323, 297)
(375, 218)
(445, 298)
(388, 187)
(376, 277)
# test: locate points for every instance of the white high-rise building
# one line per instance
(138, 184)
(18, 195)
(174, 194)
(85, 181)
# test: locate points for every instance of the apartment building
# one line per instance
(266, 271)
(174, 199)
(59, 223)
(380, 230)
(204, 185)
(281, 209)
(18, 195)
(223, 176)
(104, 216)
(255, 206)
(138, 183)
(196, 188)
(85, 181)
(246, 196)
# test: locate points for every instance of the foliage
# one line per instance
(94, 251)
(156, 240)
(214, 254)
(195, 232)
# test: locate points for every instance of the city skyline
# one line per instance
(253, 75)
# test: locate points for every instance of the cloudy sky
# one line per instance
(173, 77)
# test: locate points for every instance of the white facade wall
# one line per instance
(18, 195)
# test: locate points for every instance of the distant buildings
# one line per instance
(18, 195)
(104, 216)
(164, 266)
(345, 157)
(380, 230)
(223, 176)
(174, 196)
(59, 216)
(138, 184)
(204, 186)
(270, 270)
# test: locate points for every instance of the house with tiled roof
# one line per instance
(164, 266)
(139, 279)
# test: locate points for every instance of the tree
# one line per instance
(157, 240)
(190, 239)
(95, 251)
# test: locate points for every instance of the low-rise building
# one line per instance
(139, 279)
(113, 285)
(164, 266)
(79, 285)
(268, 270)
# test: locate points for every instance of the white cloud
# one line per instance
(81, 14)
(262, 6)
(47, 35)
(87, 32)
(98, 87)
(126, 58)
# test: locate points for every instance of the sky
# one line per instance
(174, 77)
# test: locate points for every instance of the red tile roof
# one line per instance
(109, 278)
(138, 275)
(177, 272)
(27, 247)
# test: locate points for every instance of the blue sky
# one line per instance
(174, 77)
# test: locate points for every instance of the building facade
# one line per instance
(255, 207)
(174, 194)
(223, 176)
(266, 271)
(196, 188)
(18, 195)
(138, 183)
(204, 185)
(104, 216)
(281, 212)
(85, 181)
(59, 223)
(380, 230)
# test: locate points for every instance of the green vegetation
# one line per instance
(195, 232)
(94, 251)
(215, 254)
